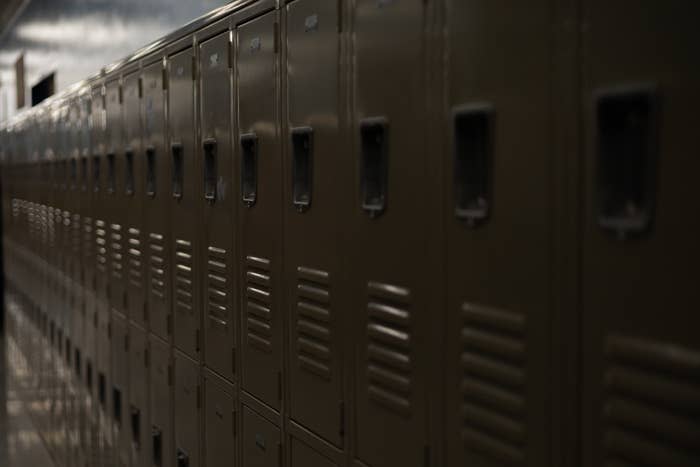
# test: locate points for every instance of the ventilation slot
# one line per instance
(135, 275)
(217, 298)
(157, 264)
(652, 403)
(314, 322)
(389, 362)
(101, 245)
(183, 275)
(493, 382)
(76, 235)
(258, 303)
(116, 246)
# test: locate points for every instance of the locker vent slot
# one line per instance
(135, 275)
(183, 275)
(116, 248)
(258, 303)
(87, 239)
(217, 287)
(389, 362)
(101, 244)
(157, 264)
(652, 403)
(314, 322)
(493, 381)
(76, 235)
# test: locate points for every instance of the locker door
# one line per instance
(120, 389)
(132, 194)
(113, 195)
(187, 411)
(161, 430)
(639, 275)
(217, 197)
(260, 167)
(219, 423)
(315, 168)
(497, 186)
(138, 411)
(156, 199)
(185, 199)
(261, 441)
(391, 268)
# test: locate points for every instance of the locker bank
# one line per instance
(366, 233)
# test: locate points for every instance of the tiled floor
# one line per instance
(20, 444)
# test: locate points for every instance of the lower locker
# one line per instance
(187, 411)
(219, 421)
(103, 383)
(120, 390)
(138, 413)
(161, 429)
(261, 444)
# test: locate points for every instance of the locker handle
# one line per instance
(96, 172)
(249, 168)
(473, 154)
(374, 164)
(111, 177)
(302, 167)
(151, 171)
(136, 427)
(157, 435)
(117, 406)
(183, 459)
(626, 159)
(129, 172)
(176, 150)
(210, 169)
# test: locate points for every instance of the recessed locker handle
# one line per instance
(374, 165)
(302, 167)
(210, 169)
(183, 459)
(129, 172)
(136, 427)
(249, 168)
(472, 159)
(176, 151)
(157, 435)
(151, 171)
(626, 124)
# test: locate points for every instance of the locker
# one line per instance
(639, 243)
(120, 389)
(187, 411)
(217, 204)
(139, 397)
(115, 209)
(155, 199)
(261, 441)
(161, 430)
(314, 169)
(498, 235)
(132, 195)
(260, 218)
(185, 196)
(395, 179)
(219, 437)
(302, 455)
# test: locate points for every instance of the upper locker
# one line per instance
(156, 199)
(391, 263)
(498, 224)
(260, 215)
(641, 353)
(317, 191)
(217, 195)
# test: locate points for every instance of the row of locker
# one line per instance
(421, 232)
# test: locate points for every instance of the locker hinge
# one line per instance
(165, 77)
(196, 340)
(279, 385)
(199, 396)
(140, 87)
(230, 49)
(277, 37)
(170, 324)
(121, 94)
(342, 419)
(426, 456)
(170, 375)
(194, 68)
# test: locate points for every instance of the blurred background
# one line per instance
(46, 45)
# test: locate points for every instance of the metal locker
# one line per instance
(139, 397)
(392, 267)
(499, 248)
(303, 455)
(640, 348)
(113, 196)
(185, 201)
(217, 195)
(219, 422)
(161, 406)
(131, 192)
(187, 411)
(260, 214)
(119, 409)
(155, 200)
(314, 170)
(261, 443)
